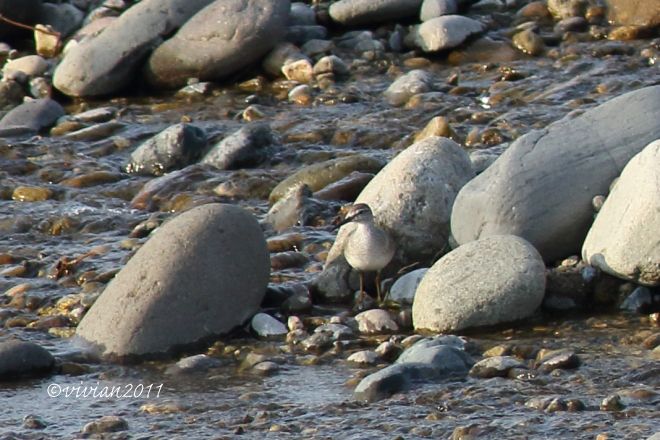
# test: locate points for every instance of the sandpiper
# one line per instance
(368, 247)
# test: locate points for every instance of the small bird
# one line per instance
(368, 247)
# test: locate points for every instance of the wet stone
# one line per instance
(316, 342)
(564, 360)
(95, 132)
(337, 332)
(18, 358)
(32, 421)
(92, 179)
(106, 424)
(555, 405)
(200, 363)
(529, 42)
(266, 368)
(497, 366)
(31, 194)
(612, 403)
(268, 327)
(652, 341)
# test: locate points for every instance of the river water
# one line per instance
(310, 401)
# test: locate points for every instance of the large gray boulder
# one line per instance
(445, 32)
(354, 12)
(221, 39)
(623, 240)
(200, 275)
(411, 198)
(541, 188)
(106, 63)
(486, 282)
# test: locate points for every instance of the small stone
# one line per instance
(295, 323)
(200, 363)
(563, 359)
(375, 322)
(612, 403)
(316, 342)
(555, 405)
(31, 194)
(301, 71)
(266, 368)
(529, 42)
(106, 424)
(364, 358)
(266, 326)
(497, 366)
(32, 421)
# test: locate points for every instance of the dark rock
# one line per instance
(248, 147)
(32, 116)
(173, 148)
(394, 379)
(19, 359)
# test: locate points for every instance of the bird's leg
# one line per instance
(378, 287)
(361, 295)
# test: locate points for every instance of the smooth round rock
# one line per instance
(403, 290)
(19, 359)
(445, 32)
(33, 116)
(486, 282)
(199, 275)
(106, 63)
(623, 240)
(354, 12)
(268, 327)
(530, 190)
(245, 148)
(408, 85)
(221, 39)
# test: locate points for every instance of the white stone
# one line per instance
(376, 321)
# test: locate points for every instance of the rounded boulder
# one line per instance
(199, 276)
(486, 282)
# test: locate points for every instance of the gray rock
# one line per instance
(482, 158)
(363, 358)
(403, 290)
(221, 39)
(432, 170)
(445, 32)
(655, 436)
(437, 8)
(408, 85)
(64, 17)
(320, 175)
(101, 114)
(296, 208)
(106, 424)
(301, 15)
(337, 332)
(496, 366)
(106, 63)
(302, 34)
(331, 64)
(247, 147)
(639, 298)
(623, 240)
(173, 148)
(449, 361)
(200, 275)
(394, 379)
(532, 189)
(20, 359)
(486, 282)
(30, 65)
(376, 321)
(355, 12)
(32, 116)
(268, 327)
(200, 363)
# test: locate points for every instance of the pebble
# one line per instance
(268, 327)
(612, 403)
(32, 421)
(106, 424)
(497, 366)
(31, 194)
(376, 321)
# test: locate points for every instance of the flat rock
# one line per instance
(221, 39)
(355, 12)
(106, 63)
(173, 148)
(198, 276)
(199, 363)
(496, 366)
(486, 282)
(394, 379)
(20, 359)
(448, 360)
(530, 190)
(268, 327)
(432, 170)
(445, 32)
(32, 116)
(623, 239)
(247, 147)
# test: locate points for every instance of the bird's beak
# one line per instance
(343, 222)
